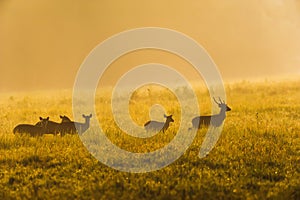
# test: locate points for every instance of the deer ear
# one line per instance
(83, 115)
(41, 118)
(47, 118)
(165, 116)
(90, 115)
(60, 116)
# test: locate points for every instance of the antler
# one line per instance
(223, 102)
(220, 101)
(216, 101)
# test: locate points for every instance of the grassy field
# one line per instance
(256, 157)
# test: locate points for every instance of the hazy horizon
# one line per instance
(43, 43)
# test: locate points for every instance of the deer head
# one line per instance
(65, 118)
(222, 104)
(86, 117)
(169, 118)
(43, 122)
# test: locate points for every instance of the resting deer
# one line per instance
(54, 127)
(68, 126)
(159, 126)
(65, 119)
(214, 120)
(33, 130)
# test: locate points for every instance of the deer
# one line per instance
(54, 127)
(64, 119)
(214, 120)
(68, 126)
(159, 126)
(33, 130)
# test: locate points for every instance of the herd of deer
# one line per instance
(44, 126)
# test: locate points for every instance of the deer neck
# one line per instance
(167, 123)
(87, 122)
(223, 112)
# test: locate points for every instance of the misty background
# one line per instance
(43, 43)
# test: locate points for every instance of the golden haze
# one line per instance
(43, 43)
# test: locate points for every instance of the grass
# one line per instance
(256, 157)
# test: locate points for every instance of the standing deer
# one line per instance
(82, 127)
(159, 126)
(214, 120)
(68, 126)
(33, 130)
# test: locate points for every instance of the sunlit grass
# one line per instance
(256, 157)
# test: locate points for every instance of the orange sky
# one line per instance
(43, 43)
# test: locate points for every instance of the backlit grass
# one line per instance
(256, 157)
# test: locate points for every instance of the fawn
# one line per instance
(159, 126)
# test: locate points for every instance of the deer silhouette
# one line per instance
(54, 127)
(214, 120)
(33, 130)
(159, 126)
(82, 127)
(65, 119)
(68, 126)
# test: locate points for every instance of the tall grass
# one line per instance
(256, 157)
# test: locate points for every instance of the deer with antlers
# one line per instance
(214, 120)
